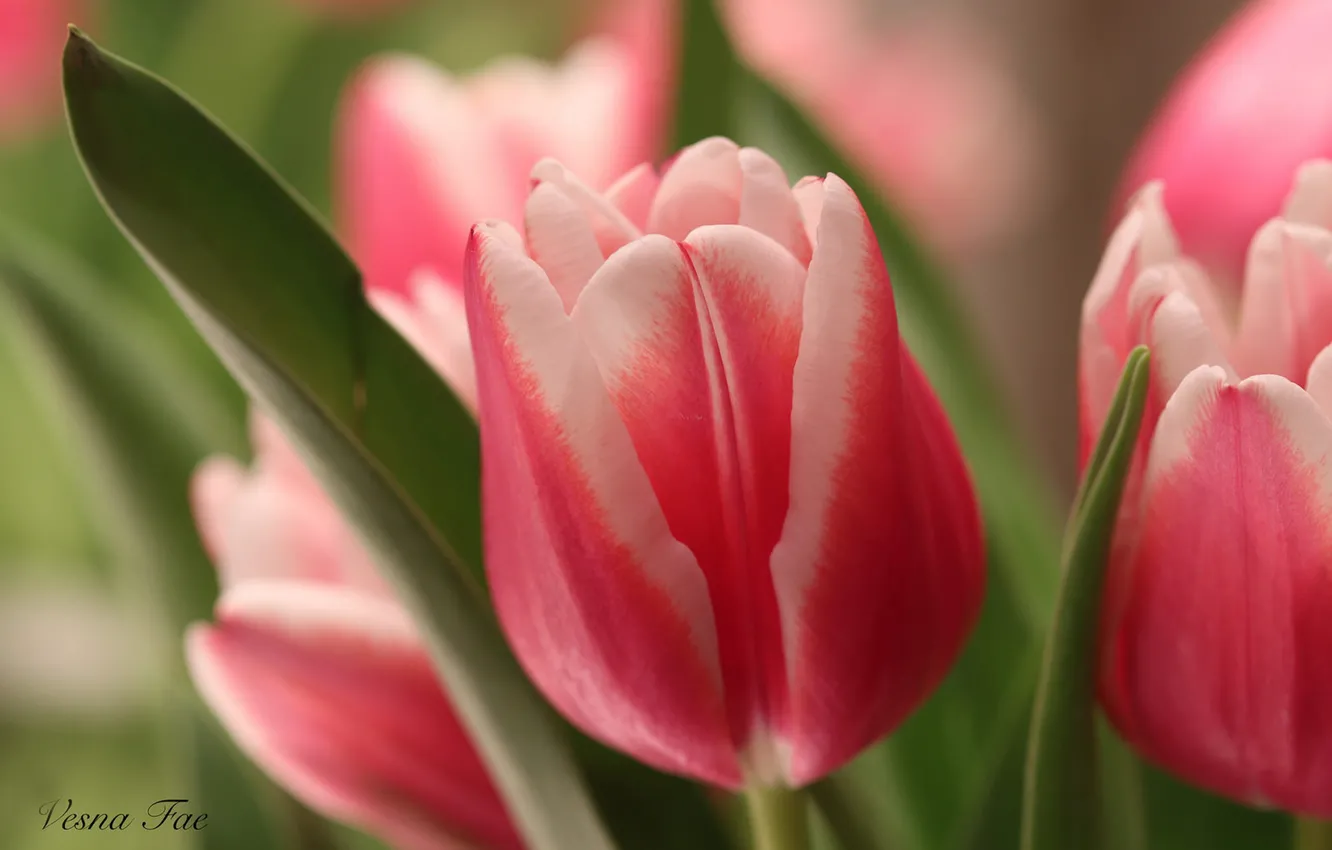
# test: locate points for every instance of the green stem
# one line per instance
(779, 818)
(1312, 834)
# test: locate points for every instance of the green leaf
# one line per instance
(704, 98)
(1061, 788)
(280, 302)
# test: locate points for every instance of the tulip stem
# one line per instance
(779, 818)
(1313, 834)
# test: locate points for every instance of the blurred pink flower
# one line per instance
(422, 155)
(922, 104)
(1240, 120)
(32, 34)
(1214, 627)
(318, 674)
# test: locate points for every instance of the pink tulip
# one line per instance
(319, 675)
(728, 528)
(1215, 626)
(32, 34)
(422, 155)
(922, 105)
(1238, 123)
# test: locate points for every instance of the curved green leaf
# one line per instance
(275, 296)
(1061, 800)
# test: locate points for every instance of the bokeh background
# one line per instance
(1000, 127)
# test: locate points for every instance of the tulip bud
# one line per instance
(728, 528)
(1217, 591)
(1248, 111)
(318, 674)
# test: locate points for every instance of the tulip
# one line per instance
(923, 106)
(1251, 107)
(32, 34)
(1217, 593)
(319, 675)
(728, 528)
(422, 155)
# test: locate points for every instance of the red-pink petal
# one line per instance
(1215, 667)
(332, 694)
(214, 488)
(434, 321)
(696, 345)
(607, 611)
(880, 569)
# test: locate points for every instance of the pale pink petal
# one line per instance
(608, 612)
(1286, 315)
(702, 186)
(767, 205)
(1319, 383)
(632, 194)
(417, 164)
(435, 323)
(214, 488)
(611, 227)
(1223, 632)
(696, 345)
(808, 193)
(331, 693)
(560, 240)
(874, 604)
(1142, 239)
(1310, 202)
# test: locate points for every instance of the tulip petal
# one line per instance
(702, 186)
(875, 601)
(610, 225)
(1310, 202)
(332, 694)
(632, 195)
(606, 610)
(1224, 629)
(1286, 318)
(436, 325)
(214, 488)
(560, 240)
(767, 205)
(1319, 383)
(417, 164)
(696, 345)
(1142, 239)
(808, 194)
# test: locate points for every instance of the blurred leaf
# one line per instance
(139, 427)
(278, 299)
(705, 94)
(1061, 789)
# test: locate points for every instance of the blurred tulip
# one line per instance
(728, 528)
(32, 35)
(922, 104)
(1215, 624)
(319, 675)
(422, 155)
(1241, 119)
